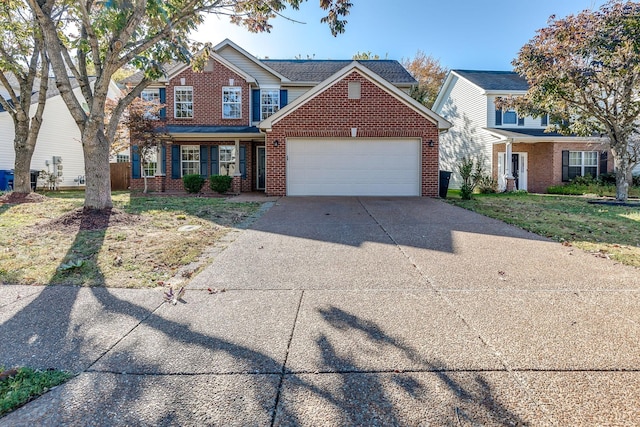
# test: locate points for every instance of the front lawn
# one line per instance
(145, 242)
(19, 386)
(612, 231)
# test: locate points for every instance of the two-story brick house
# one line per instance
(516, 150)
(294, 127)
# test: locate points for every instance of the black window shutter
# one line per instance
(163, 100)
(284, 98)
(604, 155)
(175, 162)
(498, 117)
(163, 160)
(565, 165)
(255, 101)
(204, 161)
(243, 161)
(135, 162)
(520, 121)
(215, 169)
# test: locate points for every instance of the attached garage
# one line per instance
(355, 134)
(353, 167)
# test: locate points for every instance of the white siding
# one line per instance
(59, 136)
(262, 76)
(529, 122)
(465, 106)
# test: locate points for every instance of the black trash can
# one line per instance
(445, 176)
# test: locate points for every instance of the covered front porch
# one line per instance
(533, 160)
(238, 152)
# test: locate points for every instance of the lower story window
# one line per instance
(149, 161)
(227, 160)
(582, 163)
(190, 156)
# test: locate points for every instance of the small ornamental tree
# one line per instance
(584, 71)
(146, 133)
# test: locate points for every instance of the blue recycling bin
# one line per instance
(6, 180)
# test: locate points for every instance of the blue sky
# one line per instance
(463, 34)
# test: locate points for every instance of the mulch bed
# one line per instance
(92, 219)
(14, 198)
(615, 203)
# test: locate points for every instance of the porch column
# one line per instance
(508, 167)
(236, 184)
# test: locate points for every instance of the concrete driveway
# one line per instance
(347, 311)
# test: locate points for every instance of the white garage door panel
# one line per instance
(353, 167)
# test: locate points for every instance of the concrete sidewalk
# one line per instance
(346, 311)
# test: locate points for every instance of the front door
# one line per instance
(261, 166)
(518, 168)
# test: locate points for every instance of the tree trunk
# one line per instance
(623, 170)
(97, 170)
(22, 166)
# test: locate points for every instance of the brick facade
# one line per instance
(330, 114)
(207, 97)
(544, 167)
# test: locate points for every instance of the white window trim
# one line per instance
(239, 103)
(182, 161)
(276, 107)
(583, 165)
(175, 102)
(226, 162)
(154, 91)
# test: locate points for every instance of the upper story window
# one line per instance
(508, 118)
(269, 102)
(183, 102)
(152, 95)
(231, 103)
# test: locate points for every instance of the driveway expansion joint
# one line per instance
(284, 363)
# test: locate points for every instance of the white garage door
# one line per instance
(353, 167)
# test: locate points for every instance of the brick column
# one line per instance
(236, 184)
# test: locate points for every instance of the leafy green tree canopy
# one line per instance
(107, 35)
(584, 70)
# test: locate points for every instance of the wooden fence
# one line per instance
(120, 176)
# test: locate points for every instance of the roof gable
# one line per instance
(229, 43)
(371, 76)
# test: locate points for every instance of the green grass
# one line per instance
(611, 230)
(26, 385)
(133, 255)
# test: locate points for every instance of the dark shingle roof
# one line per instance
(315, 71)
(52, 90)
(495, 80)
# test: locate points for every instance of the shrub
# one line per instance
(584, 180)
(487, 185)
(193, 183)
(566, 189)
(607, 179)
(220, 183)
(471, 172)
